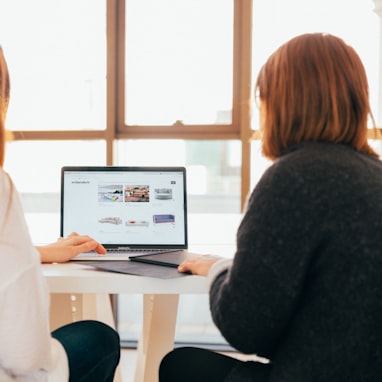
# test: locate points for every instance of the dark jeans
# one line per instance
(189, 364)
(93, 350)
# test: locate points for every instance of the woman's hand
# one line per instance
(199, 265)
(64, 249)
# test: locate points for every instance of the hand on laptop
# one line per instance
(64, 249)
(199, 265)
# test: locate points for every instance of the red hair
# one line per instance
(314, 88)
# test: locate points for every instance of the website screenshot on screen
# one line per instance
(129, 208)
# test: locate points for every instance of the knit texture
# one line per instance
(305, 286)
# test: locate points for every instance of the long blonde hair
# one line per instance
(4, 101)
(314, 88)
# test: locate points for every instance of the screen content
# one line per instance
(125, 208)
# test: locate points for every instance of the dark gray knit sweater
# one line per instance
(305, 287)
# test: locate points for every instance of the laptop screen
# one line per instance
(137, 207)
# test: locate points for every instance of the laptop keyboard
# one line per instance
(130, 252)
(124, 253)
(119, 254)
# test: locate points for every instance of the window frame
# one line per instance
(239, 129)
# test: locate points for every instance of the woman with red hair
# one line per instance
(304, 289)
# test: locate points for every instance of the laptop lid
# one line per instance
(134, 207)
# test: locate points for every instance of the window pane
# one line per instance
(213, 169)
(179, 60)
(354, 21)
(56, 53)
(376, 144)
(35, 168)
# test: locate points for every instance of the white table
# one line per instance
(81, 292)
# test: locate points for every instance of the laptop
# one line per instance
(137, 213)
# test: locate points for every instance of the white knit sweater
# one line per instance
(27, 350)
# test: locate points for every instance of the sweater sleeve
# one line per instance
(252, 302)
(59, 371)
(26, 349)
(219, 267)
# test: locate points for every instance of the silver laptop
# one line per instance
(137, 213)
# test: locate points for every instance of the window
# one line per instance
(87, 70)
(178, 62)
(354, 21)
(57, 62)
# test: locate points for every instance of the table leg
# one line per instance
(60, 310)
(157, 338)
(66, 308)
(94, 306)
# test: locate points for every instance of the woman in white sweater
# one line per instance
(87, 350)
